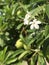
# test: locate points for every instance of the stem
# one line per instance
(36, 50)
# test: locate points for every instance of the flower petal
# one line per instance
(31, 26)
(31, 22)
(34, 20)
(27, 16)
(38, 22)
(26, 22)
(36, 26)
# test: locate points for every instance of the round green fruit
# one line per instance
(19, 44)
(18, 12)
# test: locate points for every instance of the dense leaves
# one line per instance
(28, 22)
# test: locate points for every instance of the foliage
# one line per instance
(35, 42)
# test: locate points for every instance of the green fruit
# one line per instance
(19, 44)
(18, 12)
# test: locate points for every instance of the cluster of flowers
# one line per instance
(33, 24)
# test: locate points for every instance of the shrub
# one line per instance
(27, 20)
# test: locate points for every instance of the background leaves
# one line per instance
(35, 42)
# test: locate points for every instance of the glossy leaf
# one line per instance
(47, 10)
(41, 60)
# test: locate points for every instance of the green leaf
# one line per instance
(11, 60)
(12, 54)
(4, 51)
(3, 27)
(17, 52)
(31, 41)
(2, 43)
(2, 54)
(33, 60)
(47, 52)
(36, 1)
(23, 54)
(23, 39)
(37, 10)
(41, 60)
(47, 37)
(47, 9)
(22, 63)
(8, 55)
(19, 26)
(46, 31)
(30, 31)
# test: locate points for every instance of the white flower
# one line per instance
(26, 22)
(27, 16)
(34, 24)
(37, 22)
